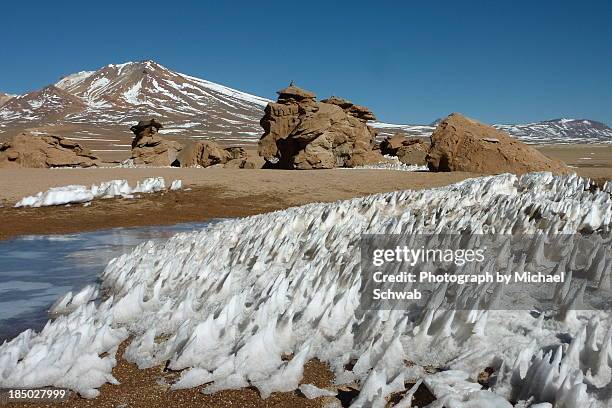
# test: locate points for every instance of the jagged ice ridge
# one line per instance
(226, 303)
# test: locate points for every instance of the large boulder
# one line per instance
(391, 144)
(44, 151)
(239, 159)
(150, 149)
(301, 133)
(463, 144)
(208, 153)
(407, 150)
(204, 153)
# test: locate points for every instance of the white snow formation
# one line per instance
(224, 304)
(390, 163)
(176, 185)
(83, 194)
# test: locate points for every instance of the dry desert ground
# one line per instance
(217, 192)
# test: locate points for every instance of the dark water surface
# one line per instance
(35, 270)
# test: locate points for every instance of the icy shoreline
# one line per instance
(226, 303)
(39, 269)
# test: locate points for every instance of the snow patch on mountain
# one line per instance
(73, 79)
(233, 93)
(131, 95)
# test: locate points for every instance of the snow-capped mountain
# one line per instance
(561, 131)
(115, 96)
(50, 104)
(128, 92)
(546, 132)
(98, 107)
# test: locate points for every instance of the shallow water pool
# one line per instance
(35, 270)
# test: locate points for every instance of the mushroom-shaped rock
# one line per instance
(149, 148)
(144, 124)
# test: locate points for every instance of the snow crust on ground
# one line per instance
(75, 194)
(225, 304)
(391, 163)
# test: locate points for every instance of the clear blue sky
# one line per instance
(409, 61)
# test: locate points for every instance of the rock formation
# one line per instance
(301, 133)
(41, 151)
(407, 150)
(463, 144)
(208, 153)
(239, 159)
(204, 153)
(149, 148)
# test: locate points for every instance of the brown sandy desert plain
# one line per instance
(217, 192)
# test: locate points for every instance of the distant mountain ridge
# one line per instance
(545, 132)
(95, 105)
(548, 131)
(561, 131)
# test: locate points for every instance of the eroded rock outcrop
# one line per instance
(301, 133)
(44, 151)
(407, 150)
(239, 159)
(208, 153)
(463, 144)
(150, 149)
